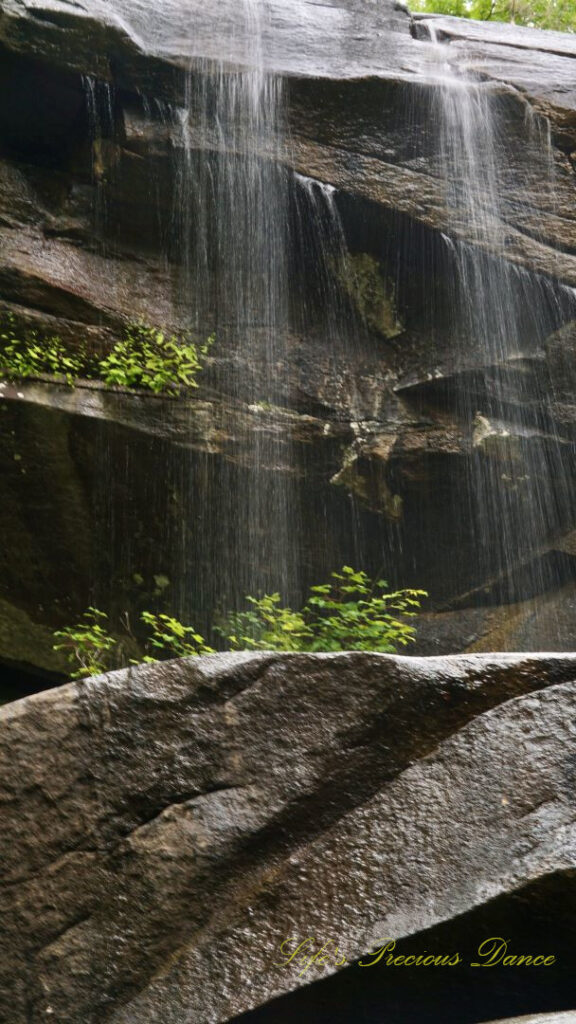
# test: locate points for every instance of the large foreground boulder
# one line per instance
(167, 828)
(542, 1018)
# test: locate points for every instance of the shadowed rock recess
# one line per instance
(166, 828)
(387, 412)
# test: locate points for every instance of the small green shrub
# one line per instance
(143, 358)
(172, 638)
(549, 14)
(22, 357)
(353, 613)
(349, 613)
(147, 359)
(267, 627)
(87, 644)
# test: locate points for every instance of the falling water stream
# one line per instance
(518, 489)
(232, 208)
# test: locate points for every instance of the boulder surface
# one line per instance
(166, 828)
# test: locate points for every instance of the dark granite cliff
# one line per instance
(96, 484)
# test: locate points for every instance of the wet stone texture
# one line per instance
(166, 828)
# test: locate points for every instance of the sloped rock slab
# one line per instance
(166, 828)
(540, 1018)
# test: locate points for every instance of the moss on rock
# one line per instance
(372, 294)
(25, 642)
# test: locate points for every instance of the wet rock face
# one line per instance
(78, 531)
(539, 1018)
(373, 433)
(462, 992)
(221, 804)
(299, 37)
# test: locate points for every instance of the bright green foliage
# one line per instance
(87, 644)
(551, 14)
(30, 357)
(350, 613)
(354, 614)
(268, 627)
(457, 8)
(172, 638)
(146, 358)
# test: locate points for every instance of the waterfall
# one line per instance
(99, 100)
(232, 216)
(241, 222)
(502, 314)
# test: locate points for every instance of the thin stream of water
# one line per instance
(233, 218)
(518, 489)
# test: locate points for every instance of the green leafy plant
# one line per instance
(172, 638)
(349, 613)
(28, 356)
(87, 644)
(146, 358)
(353, 613)
(559, 15)
(143, 358)
(266, 627)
